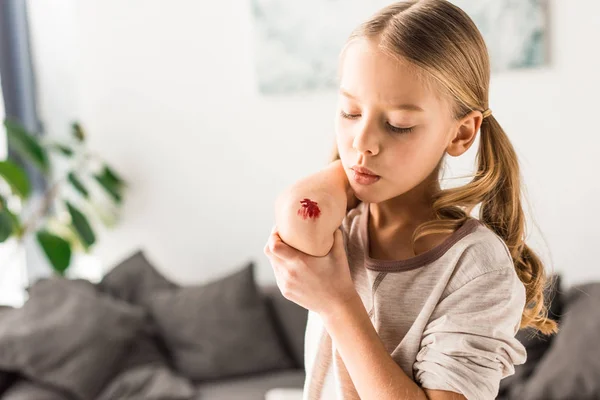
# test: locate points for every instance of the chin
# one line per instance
(366, 194)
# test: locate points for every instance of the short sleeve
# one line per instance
(469, 343)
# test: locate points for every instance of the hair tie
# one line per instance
(487, 113)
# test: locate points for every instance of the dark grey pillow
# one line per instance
(134, 280)
(80, 284)
(290, 320)
(570, 368)
(68, 336)
(7, 378)
(148, 382)
(27, 390)
(219, 329)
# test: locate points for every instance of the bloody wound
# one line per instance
(309, 209)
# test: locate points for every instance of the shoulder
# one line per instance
(351, 219)
(350, 226)
(484, 280)
(481, 253)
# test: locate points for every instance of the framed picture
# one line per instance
(297, 43)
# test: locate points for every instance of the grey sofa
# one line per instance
(290, 322)
(125, 338)
(136, 335)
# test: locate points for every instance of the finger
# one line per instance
(274, 238)
(279, 248)
(270, 254)
(267, 248)
(271, 241)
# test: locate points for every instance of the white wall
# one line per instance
(167, 93)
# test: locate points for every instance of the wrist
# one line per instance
(336, 311)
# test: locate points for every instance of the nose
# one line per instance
(366, 140)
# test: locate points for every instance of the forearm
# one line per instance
(312, 233)
(374, 373)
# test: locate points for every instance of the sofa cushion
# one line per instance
(7, 378)
(536, 344)
(68, 336)
(252, 387)
(148, 382)
(219, 329)
(290, 321)
(134, 280)
(570, 369)
(28, 390)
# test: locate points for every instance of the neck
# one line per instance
(406, 211)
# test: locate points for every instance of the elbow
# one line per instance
(307, 239)
(312, 234)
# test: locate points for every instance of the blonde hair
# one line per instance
(444, 44)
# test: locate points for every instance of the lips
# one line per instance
(364, 170)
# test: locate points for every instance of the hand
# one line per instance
(319, 284)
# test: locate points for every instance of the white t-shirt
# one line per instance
(448, 316)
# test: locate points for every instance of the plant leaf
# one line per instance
(16, 177)
(6, 221)
(108, 214)
(111, 182)
(26, 145)
(6, 226)
(81, 225)
(78, 131)
(77, 184)
(113, 177)
(57, 250)
(66, 231)
(65, 150)
(16, 222)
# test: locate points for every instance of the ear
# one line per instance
(464, 133)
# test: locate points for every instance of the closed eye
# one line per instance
(398, 129)
(395, 129)
(349, 116)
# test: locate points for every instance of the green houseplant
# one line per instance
(61, 222)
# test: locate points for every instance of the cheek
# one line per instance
(343, 136)
(402, 157)
(412, 156)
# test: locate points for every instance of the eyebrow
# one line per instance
(403, 106)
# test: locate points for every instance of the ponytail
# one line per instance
(501, 211)
(497, 187)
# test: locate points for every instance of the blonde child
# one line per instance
(409, 296)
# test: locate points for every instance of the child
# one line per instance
(412, 298)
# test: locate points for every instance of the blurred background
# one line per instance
(209, 110)
(168, 128)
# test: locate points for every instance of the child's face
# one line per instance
(372, 87)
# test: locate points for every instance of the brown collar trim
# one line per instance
(419, 260)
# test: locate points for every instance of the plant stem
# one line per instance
(41, 211)
(49, 198)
